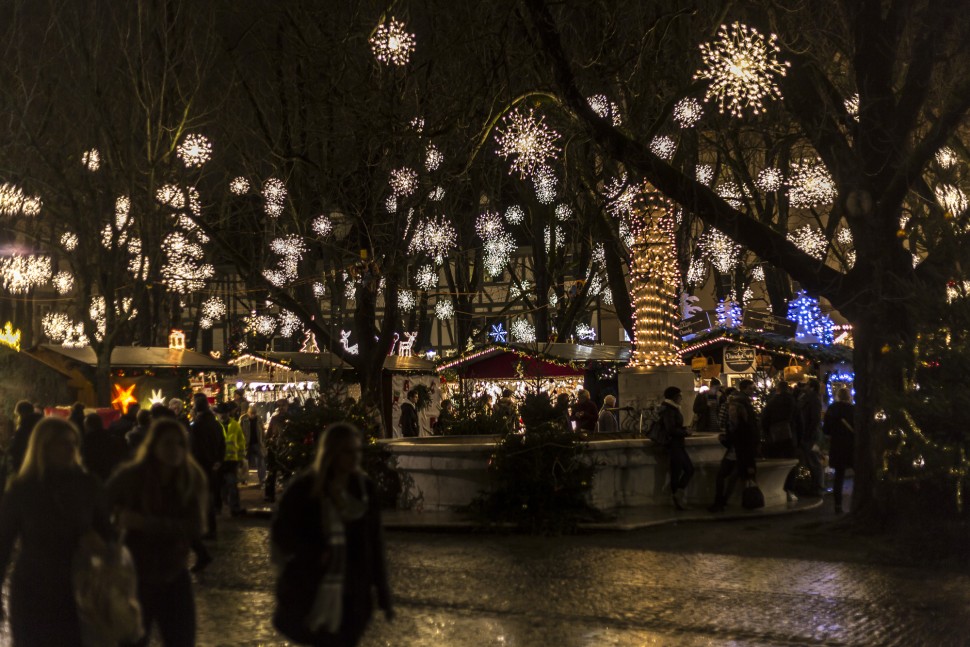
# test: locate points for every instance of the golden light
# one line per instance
(124, 397)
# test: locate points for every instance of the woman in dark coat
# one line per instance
(328, 543)
(52, 506)
(838, 426)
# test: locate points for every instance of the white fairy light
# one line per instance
(213, 308)
(620, 196)
(137, 261)
(758, 273)
(63, 282)
(951, 198)
(417, 124)
(526, 142)
(183, 271)
(435, 238)
(405, 300)
(742, 66)
(545, 182)
(262, 324)
(810, 185)
(403, 181)
(444, 309)
(122, 207)
(704, 174)
(563, 212)
(426, 277)
(322, 226)
(844, 236)
(91, 159)
(56, 326)
(488, 225)
(599, 255)
(13, 201)
(195, 202)
(171, 195)
(522, 331)
(497, 253)
(205, 323)
(585, 332)
(605, 109)
(747, 297)
(195, 150)
(289, 323)
(291, 246)
(69, 241)
(239, 185)
(22, 273)
(391, 43)
(697, 272)
(663, 147)
(350, 288)
(432, 158)
(623, 229)
(520, 289)
(852, 106)
(560, 238)
(274, 197)
(437, 194)
(946, 157)
(391, 203)
(810, 240)
(731, 193)
(720, 250)
(319, 289)
(687, 112)
(769, 180)
(515, 215)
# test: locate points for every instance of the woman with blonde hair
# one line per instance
(159, 499)
(52, 506)
(328, 543)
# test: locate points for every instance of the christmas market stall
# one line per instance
(143, 375)
(267, 376)
(402, 373)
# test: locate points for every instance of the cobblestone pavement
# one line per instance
(748, 583)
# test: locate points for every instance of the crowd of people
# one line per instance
(156, 481)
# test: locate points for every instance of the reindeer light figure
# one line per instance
(345, 340)
(404, 347)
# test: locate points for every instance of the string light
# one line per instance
(22, 273)
(319, 289)
(731, 193)
(704, 174)
(195, 150)
(810, 185)
(322, 226)
(951, 198)
(720, 250)
(497, 253)
(391, 43)
(813, 325)
(520, 289)
(523, 332)
(697, 272)
(56, 326)
(433, 158)
(274, 197)
(239, 185)
(515, 215)
(170, 195)
(405, 300)
(946, 157)
(545, 184)
(687, 112)
(13, 201)
(526, 142)
(605, 109)
(769, 180)
(69, 241)
(488, 225)
(289, 324)
(810, 240)
(844, 236)
(91, 159)
(728, 313)
(563, 212)
(63, 282)
(426, 277)
(403, 181)
(560, 238)
(444, 309)
(663, 147)
(434, 237)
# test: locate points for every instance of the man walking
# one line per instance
(810, 410)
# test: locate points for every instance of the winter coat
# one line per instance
(586, 415)
(607, 422)
(743, 420)
(21, 438)
(705, 412)
(409, 420)
(208, 441)
(254, 433)
(672, 419)
(838, 425)
(235, 441)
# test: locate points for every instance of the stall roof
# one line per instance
(550, 360)
(768, 342)
(412, 364)
(143, 357)
(303, 362)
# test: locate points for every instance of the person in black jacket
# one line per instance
(77, 415)
(27, 419)
(102, 450)
(778, 423)
(327, 539)
(839, 426)
(409, 415)
(681, 467)
(208, 449)
(744, 424)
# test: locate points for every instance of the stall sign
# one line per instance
(739, 359)
(694, 325)
(769, 323)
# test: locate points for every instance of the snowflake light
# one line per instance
(498, 253)
(810, 240)
(519, 290)
(63, 282)
(205, 323)
(951, 198)
(444, 309)
(704, 174)
(810, 185)
(545, 182)
(433, 158)
(687, 112)
(69, 241)
(426, 277)
(526, 142)
(435, 238)
(852, 106)
(391, 43)
(239, 185)
(769, 180)
(406, 300)
(289, 323)
(13, 201)
(663, 147)
(844, 236)
(946, 157)
(523, 332)
(195, 150)
(22, 273)
(758, 273)
(742, 66)
(731, 193)
(697, 272)
(488, 225)
(563, 212)
(274, 197)
(213, 308)
(91, 159)
(437, 194)
(515, 215)
(585, 332)
(598, 257)
(403, 181)
(319, 289)
(322, 226)
(605, 109)
(720, 250)
(56, 326)
(498, 334)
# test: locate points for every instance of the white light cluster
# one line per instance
(195, 150)
(810, 185)
(91, 159)
(523, 332)
(620, 196)
(274, 197)
(63, 282)
(122, 207)
(515, 215)
(488, 224)
(758, 273)
(435, 238)
(183, 271)
(322, 226)
(498, 253)
(770, 180)
(560, 238)
(170, 195)
(697, 272)
(563, 212)
(426, 277)
(444, 309)
(844, 236)
(704, 174)
(60, 329)
(69, 241)
(852, 106)
(731, 193)
(13, 201)
(687, 112)
(403, 181)
(405, 300)
(437, 194)
(22, 273)
(213, 308)
(810, 240)
(606, 109)
(289, 323)
(239, 185)
(720, 250)
(526, 142)
(946, 157)
(545, 182)
(290, 249)
(391, 43)
(433, 158)
(520, 289)
(585, 332)
(951, 198)
(261, 324)
(742, 66)
(124, 309)
(663, 147)
(319, 289)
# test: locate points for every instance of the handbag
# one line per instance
(106, 593)
(752, 497)
(794, 372)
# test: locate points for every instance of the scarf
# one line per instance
(672, 403)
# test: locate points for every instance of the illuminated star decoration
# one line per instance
(123, 398)
(769, 180)
(523, 331)
(810, 240)
(195, 150)
(687, 112)
(498, 334)
(810, 185)
(741, 65)
(720, 250)
(526, 142)
(156, 397)
(391, 43)
(605, 109)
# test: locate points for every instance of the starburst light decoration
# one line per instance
(810, 240)
(171, 195)
(274, 197)
(844, 236)
(563, 212)
(13, 201)
(444, 309)
(56, 326)
(704, 174)
(697, 272)
(433, 158)
(770, 180)
(687, 112)
(946, 157)
(758, 273)
(585, 332)
(391, 43)
(742, 67)
(731, 193)
(605, 109)
(63, 282)
(239, 185)
(523, 332)
(488, 225)
(526, 142)
(213, 308)
(722, 252)
(435, 238)
(852, 106)
(951, 198)
(545, 182)
(426, 277)
(810, 185)
(289, 323)
(91, 159)
(403, 181)
(322, 226)
(195, 150)
(183, 271)
(21, 273)
(663, 147)
(498, 253)
(319, 289)
(515, 215)
(406, 300)
(69, 241)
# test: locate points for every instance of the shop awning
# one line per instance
(134, 357)
(550, 360)
(766, 342)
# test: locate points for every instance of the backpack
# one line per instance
(658, 432)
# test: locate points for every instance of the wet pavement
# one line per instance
(782, 581)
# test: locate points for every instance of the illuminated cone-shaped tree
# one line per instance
(654, 280)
